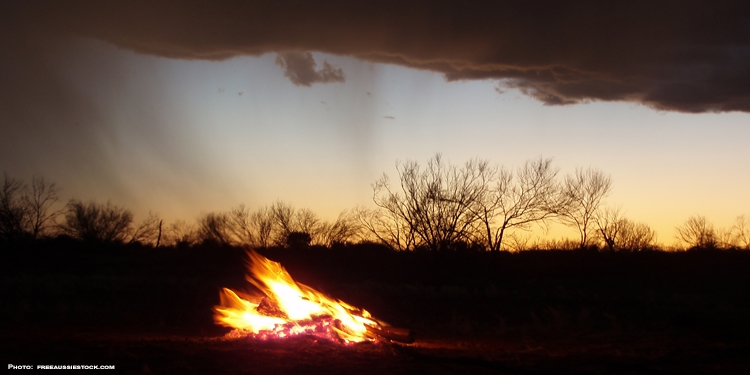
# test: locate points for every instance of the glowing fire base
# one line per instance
(288, 309)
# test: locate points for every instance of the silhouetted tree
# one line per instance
(283, 217)
(610, 225)
(271, 225)
(180, 234)
(306, 221)
(96, 223)
(619, 233)
(697, 232)
(386, 227)
(433, 208)
(148, 231)
(345, 229)
(13, 213)
(215, 227)
(636, 237)
(516, 201)
(287, 219)
(741, 232)
(298, 239)
(262, 221)
(40, 198)
(241, 224)
(253, 228)
(581, 195)
(27, 211)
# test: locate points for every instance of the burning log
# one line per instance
(270, 308)
(288, 308)
(403, 335)
(318, 325)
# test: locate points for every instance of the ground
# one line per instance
(149, 311)
(172, 354)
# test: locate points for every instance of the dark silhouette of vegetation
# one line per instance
(697, 232)
(740, 232)
(581, 195)
(27, 211)
(444, 205)
(621, 234)
(180, 234)
(11, 210)
(516, 200)
(272, 226)
(253, 228)
(96, 223)
(215, 228)
(148, 232)
(434, 207)
(441, 207)
(298, 239)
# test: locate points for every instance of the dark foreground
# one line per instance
(148, 311)
(148, 354)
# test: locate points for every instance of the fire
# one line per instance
(288, 308)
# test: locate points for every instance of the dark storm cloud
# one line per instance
(689, 56)
(299, 67)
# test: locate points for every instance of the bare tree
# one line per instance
(96, 223)
(215, 227)
(295, 227)
(306, 221)
(40, 198)
(636, 237)
(283, 217)
(263, 221)
(180, 233)
(741, 232)
(433, 208)
(697, 232)
(273, 225)
(387, 227)
(27, 211)
(620, 234)
(148, 231)
(13, 212)
(581, 195)
(241, 225)
(516, 201)
(341, 231)
(257, 228)
(610, 225)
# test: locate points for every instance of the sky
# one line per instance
(184, 108)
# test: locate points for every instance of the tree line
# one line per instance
(436, 207)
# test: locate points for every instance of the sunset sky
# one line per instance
(187, 109)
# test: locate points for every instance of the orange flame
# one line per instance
(290, 308)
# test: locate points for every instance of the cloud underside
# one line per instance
(299, 67)
(688, 56)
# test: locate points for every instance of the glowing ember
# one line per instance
(289, 308)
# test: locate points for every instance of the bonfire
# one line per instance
(286, 308)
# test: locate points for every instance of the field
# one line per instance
(149, 310)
